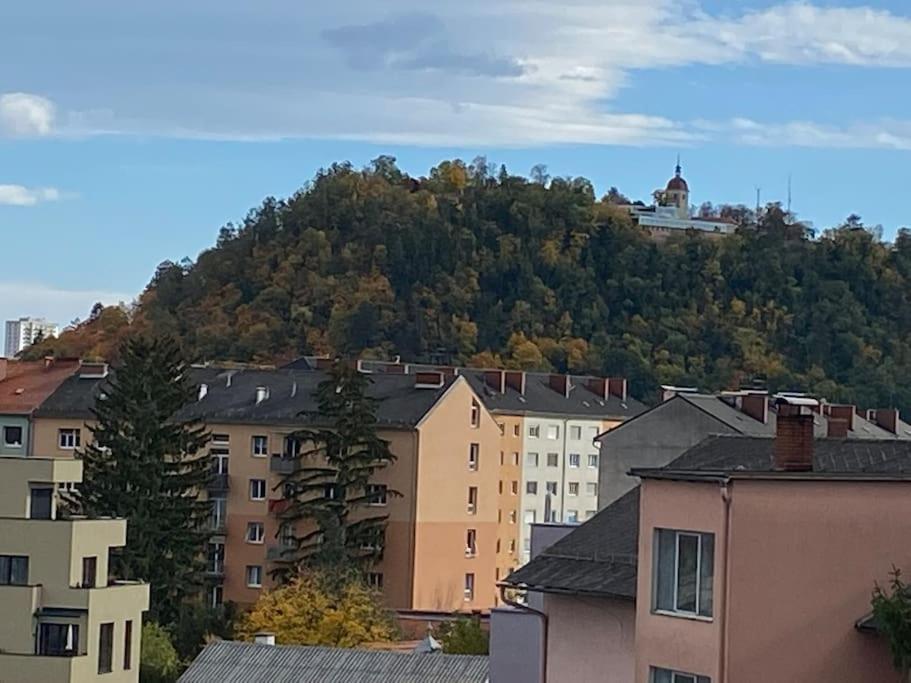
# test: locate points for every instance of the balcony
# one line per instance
(218, 483)
(283, 464)
(215, 569)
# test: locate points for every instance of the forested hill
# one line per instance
(488, 268)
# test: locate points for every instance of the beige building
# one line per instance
(459, 440)
(63, 618)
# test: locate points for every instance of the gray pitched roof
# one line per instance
(234, 662)
(600, 557)
(723, 412)
(231, 397)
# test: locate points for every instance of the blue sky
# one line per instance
(129, 134)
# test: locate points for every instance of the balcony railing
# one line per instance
(283, 464)
(218, 482)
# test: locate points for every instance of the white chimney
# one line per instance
(264, 638)
(262, 393)
(203, 390)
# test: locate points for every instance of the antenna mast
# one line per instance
(789, 194)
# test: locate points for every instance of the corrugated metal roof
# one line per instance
(235, 662)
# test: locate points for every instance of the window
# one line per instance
(531, 459)
(286, 538)
(40, 503)
(220, 463)
(529, 516)
(498, 546)
(526, 545)
(516, 430)
(216, 595)
(512, 545)
(531, 488)
(378, 494)
(292, 447)
(590, 513)
(534, 431)
(572, 516)
(89, 572)
(552, 488)
(591, 489)
(58, 640)
(475, 414)
(375, 580)
(223, 439)
(553, 431)
(575, 433)
(592, 433)
(255, 532)
(552, 517)
(668, 676)
(471, 543)
(128, 645)
(593, 460)
(514, 488)
(216, 558)
(254, 576)
(12, 437)
(68, 439)
(474, 456)
(573, 488)
(469, 587)
(502, 428)
(13, 570)
(260, 446)
(553, 459)
(684, 572)
(499, 516)
(512, 516)
(257, 489)
(575, 459)
(515, 458)
(472, 500)
(106, 648)
(219, 512)
(501, 487)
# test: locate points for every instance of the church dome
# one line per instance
(677, 183)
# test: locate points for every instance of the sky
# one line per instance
(131, 132)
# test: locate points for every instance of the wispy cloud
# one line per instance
(19, 195)
(25, 115)
(886, 134)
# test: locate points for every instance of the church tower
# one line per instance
(677, 194)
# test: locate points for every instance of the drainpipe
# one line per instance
(541, 615)
(563, 486)
(726, 496)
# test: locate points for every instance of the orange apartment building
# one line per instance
(459, 447)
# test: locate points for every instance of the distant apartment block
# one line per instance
(748, 558)
(461, 439)
(22, 332)
(65, 620)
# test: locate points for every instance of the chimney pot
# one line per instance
(515, 380)
(793, 448)
(495, 380)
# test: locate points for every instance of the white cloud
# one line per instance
(19, 195)
(61, 305)
(25, 115)
(888, 134)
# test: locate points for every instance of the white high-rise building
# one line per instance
(20, 333)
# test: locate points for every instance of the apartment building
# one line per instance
(549, 460)
(746, 559)
(65, 620)
(23, 332)
(24, 385)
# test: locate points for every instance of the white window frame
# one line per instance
(572, 516)
(14, 444)
(556, 460)
(255, 539)
(472, 506)
(475, 416)
(676, 676)
(553, 431)
(532, 462)
(575, 460)
(591, 488)
(469, 586)
(259, 439)
(474, 456)
(593, 459)
(74, 440)
(575, 432)
(531, 488)
(551, 487)
(253, 482)
(383, 500)
(375, 580)
(676, 611)
(534, 431)
(248, 576)
(572, 488)
(471, 543)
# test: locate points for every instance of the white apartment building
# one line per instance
(21, 333)
(559, 473)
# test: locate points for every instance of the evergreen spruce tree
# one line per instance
(329, 492)
(148, 467)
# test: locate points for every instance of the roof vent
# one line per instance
(264, 638)
(203, 390)
(262, 393)
(293, 388)
(428, 380)
(93, 370)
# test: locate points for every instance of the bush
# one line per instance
(463, 637)
(159, 662)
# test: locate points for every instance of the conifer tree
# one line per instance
(330, 491)
(147, 466)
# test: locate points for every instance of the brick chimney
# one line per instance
(616, 386)
(495, 380)
(836, 428)
(885, 418)
(793, 449)
(841, 412)
(515, 380)
(560, 384)
(598, 386)
(756, 405)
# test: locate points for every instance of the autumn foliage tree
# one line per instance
(316, 608)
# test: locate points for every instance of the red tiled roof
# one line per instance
(25, 384)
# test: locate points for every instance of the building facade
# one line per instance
(23, 332)
(64, 619)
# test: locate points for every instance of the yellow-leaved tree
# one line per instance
(317, 609)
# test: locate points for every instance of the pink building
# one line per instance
(755, 560)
